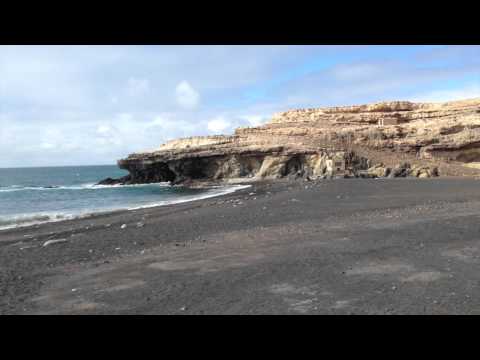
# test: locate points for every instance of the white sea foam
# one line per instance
(210, 194)
(33, 219)
(88, 186)
(22, 220)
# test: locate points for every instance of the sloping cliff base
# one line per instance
(388, 139)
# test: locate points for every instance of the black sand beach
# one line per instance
(399, 246)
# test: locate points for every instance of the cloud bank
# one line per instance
(72, 105)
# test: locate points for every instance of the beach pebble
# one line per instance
(50, 242)
(124, 226)
(183, 308)
(140, 224)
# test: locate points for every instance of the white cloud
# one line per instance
(167, 127)
(47, 145)
(58, 140)
(186, 95)
(218, 125)
(104, 129)
(161, 121)
(137, 86)
(255, 120)
(129, 98)
(354, 72)
(122, 117)
(468, 92)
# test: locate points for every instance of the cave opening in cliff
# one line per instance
(294, 165)
(197, 169)
(160, 173)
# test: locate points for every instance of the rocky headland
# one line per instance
(387, 139)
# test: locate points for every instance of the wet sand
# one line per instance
(347, 246)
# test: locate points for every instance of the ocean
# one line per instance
(35, 195)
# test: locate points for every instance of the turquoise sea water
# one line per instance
(35, 195)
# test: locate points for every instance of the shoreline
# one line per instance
(53, 217)
(201, 185)
(290, 247)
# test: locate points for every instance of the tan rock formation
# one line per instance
(302, 142)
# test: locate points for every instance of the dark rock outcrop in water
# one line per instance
(355, 141)
(121, 181)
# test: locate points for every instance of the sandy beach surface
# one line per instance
(347, 246)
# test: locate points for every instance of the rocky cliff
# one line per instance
(325, 141)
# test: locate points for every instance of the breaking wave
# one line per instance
(88, 186)
(32, 219)
(15, 221)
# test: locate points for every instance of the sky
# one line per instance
(92, 105)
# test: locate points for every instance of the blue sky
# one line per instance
(78, 105)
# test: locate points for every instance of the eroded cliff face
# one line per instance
(312, 142)
(236, 165)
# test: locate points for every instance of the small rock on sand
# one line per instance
(124, 226)
(55, 241)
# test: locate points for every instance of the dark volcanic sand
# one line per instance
(348, 246)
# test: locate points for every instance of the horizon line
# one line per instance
(52, 166)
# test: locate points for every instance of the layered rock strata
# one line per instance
(323, 142)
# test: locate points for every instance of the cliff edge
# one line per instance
(427, 138)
